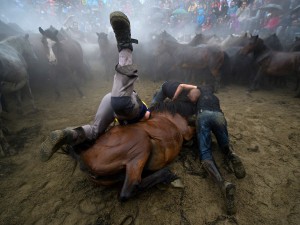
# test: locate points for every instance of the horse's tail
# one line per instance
(226, 70)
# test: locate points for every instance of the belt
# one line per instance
(202, 110)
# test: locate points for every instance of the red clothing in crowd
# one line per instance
(272, 23)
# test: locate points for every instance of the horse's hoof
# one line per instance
(11, 151)
(123, 199)
(248, 93)
(177, 183)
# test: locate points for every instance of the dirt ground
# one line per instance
(264, 129)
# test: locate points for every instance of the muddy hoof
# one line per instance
(11, 151)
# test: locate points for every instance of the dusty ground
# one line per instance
(264, 130)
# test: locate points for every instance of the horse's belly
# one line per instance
(280, 68)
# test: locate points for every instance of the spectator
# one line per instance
(243, 14)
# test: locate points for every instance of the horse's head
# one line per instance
(197, 40)
(164, 42)
(273, 42)
(49, 39)
(28, 51)
(252, 44)
(50, 33)
(102, 38)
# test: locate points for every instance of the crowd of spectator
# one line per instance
(227, 16)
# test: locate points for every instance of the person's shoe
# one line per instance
(121, 26)
(229, 192)
(238, 167)
(54, 141)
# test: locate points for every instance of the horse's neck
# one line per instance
(104, 44)
(181, 123)
(174, 48)
(261, 52)
(196, 41)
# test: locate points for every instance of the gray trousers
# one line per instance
(104, 117)
(123, 87)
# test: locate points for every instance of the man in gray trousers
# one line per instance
(122, 103)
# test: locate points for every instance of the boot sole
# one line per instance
(119, 20)
(51, 145)
(230, 204)
(238, 168)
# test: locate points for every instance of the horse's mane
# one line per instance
(183, 108)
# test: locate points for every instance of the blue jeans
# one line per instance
(207, 122)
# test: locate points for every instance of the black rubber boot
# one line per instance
(58, 138)
(234, 161)
(121, 26)
(227, 188)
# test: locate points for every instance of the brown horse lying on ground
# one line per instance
(272, 63)
(126, 153)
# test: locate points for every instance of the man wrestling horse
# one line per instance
(122, 102)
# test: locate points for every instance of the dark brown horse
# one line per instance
(126, 153)
(196, 59)
(65, 56)
(272, 63)
(295, 47)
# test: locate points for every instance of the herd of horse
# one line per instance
(139, 156)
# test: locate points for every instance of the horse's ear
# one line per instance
(41, 31)
(56, 32)
(98, 34)
(255, 37)
(246, 34)
(26, 36)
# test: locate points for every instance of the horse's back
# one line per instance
(283, 63)
(13, 65)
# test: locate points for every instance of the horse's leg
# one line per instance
(75, 83)
(134, 170)
(217, 79)
(6, 148)
(3, 103)
(9, 87)
(30, 95)
(53, 73)
(162, 176)
(256, 80)
(298, 88)
(18, 95)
